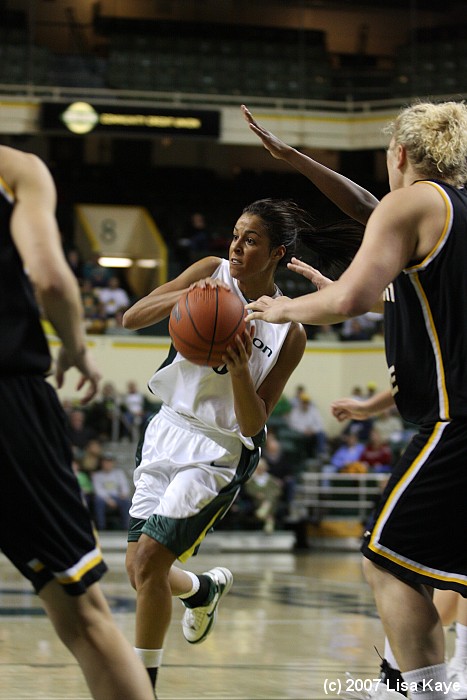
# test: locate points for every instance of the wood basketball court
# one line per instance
(290, 628)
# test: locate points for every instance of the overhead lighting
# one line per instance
(147, 262)
(115, 262)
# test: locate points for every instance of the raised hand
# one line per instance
(274, 145)
(311, 273)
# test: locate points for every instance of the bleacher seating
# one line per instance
(236, 60)
(348, 495)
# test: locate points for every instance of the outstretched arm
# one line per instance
(352, 199)
(345, 409)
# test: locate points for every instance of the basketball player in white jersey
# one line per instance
(205, 441)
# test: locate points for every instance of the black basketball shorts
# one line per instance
(45, 527)
(419, 531)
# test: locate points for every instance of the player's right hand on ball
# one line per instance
(209, 282)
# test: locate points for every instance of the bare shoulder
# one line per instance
(206, 266)
(201, 268)
(16, 159)
(18, 166)
(196, 271)
(415, 197)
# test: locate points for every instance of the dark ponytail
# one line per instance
(331, 248)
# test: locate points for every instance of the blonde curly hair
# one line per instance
(435, 138)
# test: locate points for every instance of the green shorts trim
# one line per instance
(182, 536)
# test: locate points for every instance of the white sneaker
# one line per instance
(197, 623)
(457, 673)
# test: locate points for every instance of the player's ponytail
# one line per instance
(331, 248)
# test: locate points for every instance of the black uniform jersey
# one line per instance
(23, 346)
(425, 319)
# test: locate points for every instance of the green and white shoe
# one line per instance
(197, 623)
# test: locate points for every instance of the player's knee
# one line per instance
(146, 567)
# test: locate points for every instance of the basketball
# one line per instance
(204, 322)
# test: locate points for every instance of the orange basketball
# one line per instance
(204, 322)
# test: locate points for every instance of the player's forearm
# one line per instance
(61, 305)
(314, 309)
(151, 309)
(352, 199)
(379, 402)
(249, 408)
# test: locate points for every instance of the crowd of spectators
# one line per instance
(297, 441)
(97, 433)
(104, 294)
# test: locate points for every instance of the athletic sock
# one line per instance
(389, 656)
(151, 659)
(428, 683)
(203, 595)
(460, 648)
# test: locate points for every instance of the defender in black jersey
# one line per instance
(45, 528)
(414, 254)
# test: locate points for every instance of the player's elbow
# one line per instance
(352, 305)
(53, 284)
(251, 428)
(128, 320)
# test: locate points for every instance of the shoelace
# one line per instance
(194, 617)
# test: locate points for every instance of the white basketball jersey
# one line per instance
(204, 394)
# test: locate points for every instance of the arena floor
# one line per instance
(290, 628)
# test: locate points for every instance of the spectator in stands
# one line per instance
(91, 456)
(89, 298)
(105, 413)
(377, 454)
(280, 467)
(299, 391)
(357, 393)
(74, 260)
(265, 491)
(358, 328)
(305, 418)
(79, 431)
(389, 424)
(97, 275)
(115, 325)
(113, 296)
(111, 492)
(347, 457)
(95, 316)
(85, 484)
(135, 406)
(195, 241)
